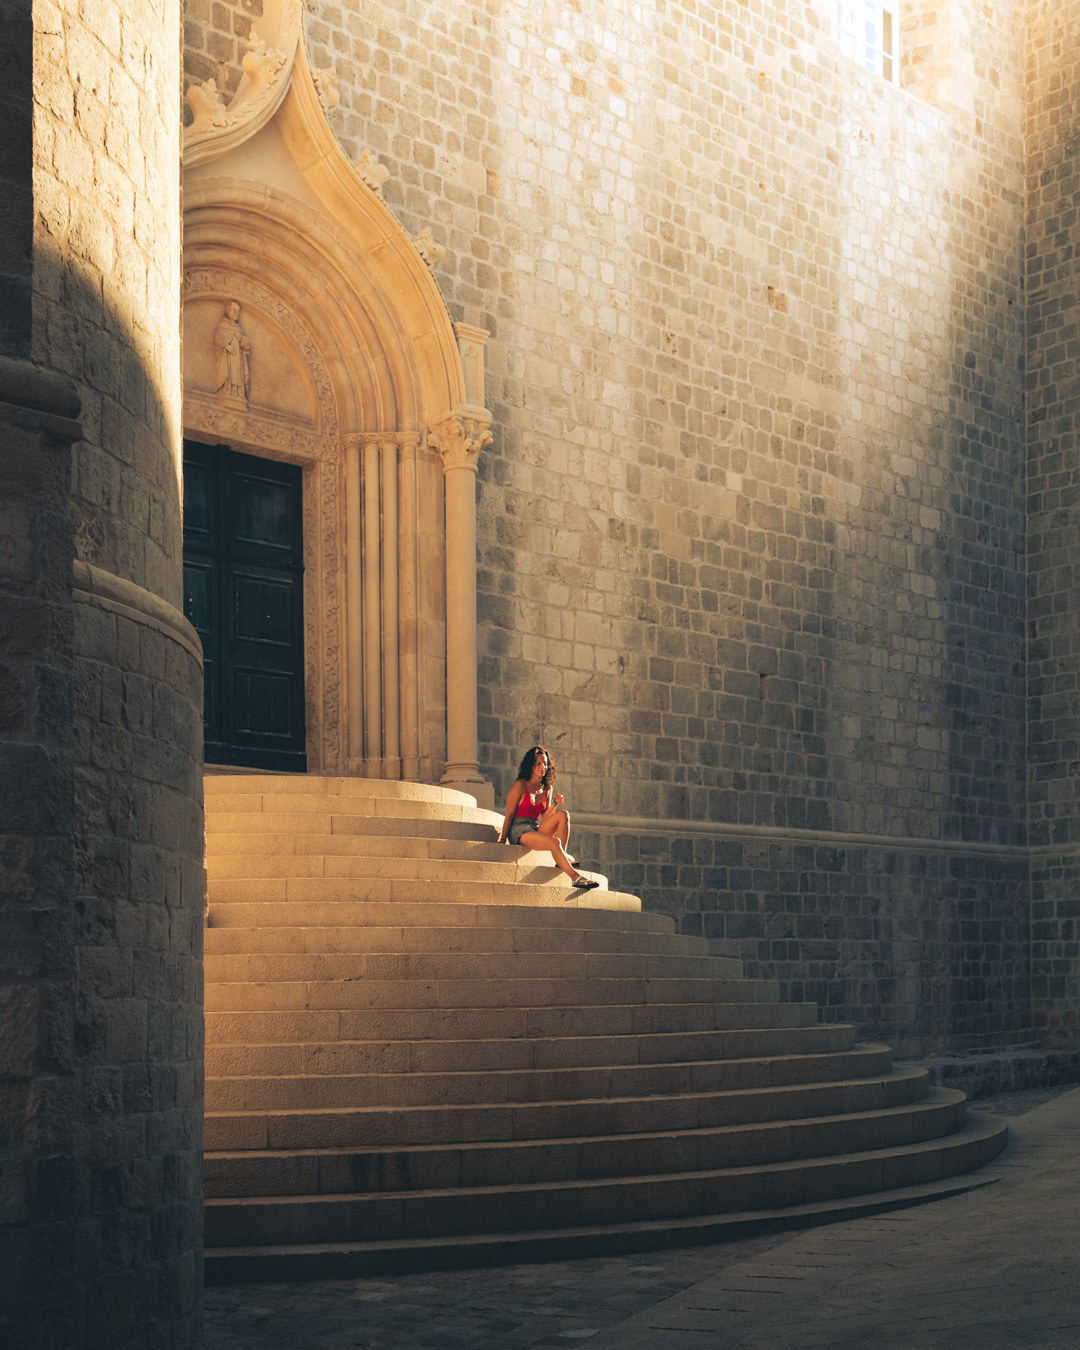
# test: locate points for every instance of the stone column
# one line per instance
(372, 610)
(390, 662)
(408, 605)
(459, 437)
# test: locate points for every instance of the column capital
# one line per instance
(459, 436)
(356, 440)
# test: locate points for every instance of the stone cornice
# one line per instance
(104, 590)
(776, 834)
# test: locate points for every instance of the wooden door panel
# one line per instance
(243, 593)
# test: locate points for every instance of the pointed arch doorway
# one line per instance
(315, 337)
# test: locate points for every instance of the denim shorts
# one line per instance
(521, 825)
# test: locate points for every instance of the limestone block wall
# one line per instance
(751, 528)
(1053, 402)
(122, 1186)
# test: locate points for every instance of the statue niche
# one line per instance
(246, 360)
(231, 367)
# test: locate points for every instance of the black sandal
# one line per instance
(584, 884)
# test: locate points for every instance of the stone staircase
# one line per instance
(422, 1048)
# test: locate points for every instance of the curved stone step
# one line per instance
(297, 1092)
(981, 1140)
(443, 871)
(400, 1125)
(246, 996)
(457, 1056)
(315, 890)
(452, 1211)
(277, 823)
(428, 1024)
(606, 910)
(404, 938)
(441, 1166)
(219, 787)
(308, 966)
(244, 844)
(288, 806)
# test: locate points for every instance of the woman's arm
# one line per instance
(513, 800)
(556, 802)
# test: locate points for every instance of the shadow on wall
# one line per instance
(101, 842)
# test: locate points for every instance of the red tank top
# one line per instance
(531, 810)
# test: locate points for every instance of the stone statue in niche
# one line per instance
(231, 349)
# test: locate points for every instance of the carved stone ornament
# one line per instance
(371, 171)
(326, 86)
(459, 437)
(232, 351)
(207, 107)
(240, 289)
(267, 65)
(431, 252)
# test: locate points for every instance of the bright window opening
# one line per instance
(868, 31)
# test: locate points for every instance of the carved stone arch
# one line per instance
(291, 255)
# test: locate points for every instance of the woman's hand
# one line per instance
(559, 799)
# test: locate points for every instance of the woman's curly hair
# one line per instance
(527, 764)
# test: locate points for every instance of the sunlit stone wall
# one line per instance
(752, 527)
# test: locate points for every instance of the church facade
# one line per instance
(684, 386)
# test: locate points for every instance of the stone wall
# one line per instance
(750, 529)
(1053, 403)
(116, 1196)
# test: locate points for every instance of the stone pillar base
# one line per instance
(474, 785)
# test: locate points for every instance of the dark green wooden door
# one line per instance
(243, 593)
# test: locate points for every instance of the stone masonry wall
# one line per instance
(1053, 406)
(750, 530)
(123, 1188)
(106, 269)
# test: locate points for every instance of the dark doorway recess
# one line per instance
(243, 593)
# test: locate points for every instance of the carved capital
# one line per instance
(460, 436)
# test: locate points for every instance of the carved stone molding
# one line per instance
(202, 282)
(460, 436)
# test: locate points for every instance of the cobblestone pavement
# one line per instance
(993, 1268)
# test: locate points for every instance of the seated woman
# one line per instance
(534, 814)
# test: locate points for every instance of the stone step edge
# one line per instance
(863, 1047)
(429, 1041)
(236, 1265)
(954, 1138)
(937, 1097)
(893, 1076)
(500, 915)
(318, 784)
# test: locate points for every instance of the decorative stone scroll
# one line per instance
(267, 65)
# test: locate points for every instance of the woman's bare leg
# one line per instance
(542, 842)
(559, 826)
